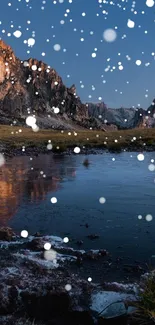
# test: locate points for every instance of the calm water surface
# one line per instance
(28, 184)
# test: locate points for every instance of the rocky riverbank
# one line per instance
(61, 150)
(38, 284)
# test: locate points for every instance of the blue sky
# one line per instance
(67, 22)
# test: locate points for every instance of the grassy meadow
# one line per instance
(15, 137)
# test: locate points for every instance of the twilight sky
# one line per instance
(101, 70)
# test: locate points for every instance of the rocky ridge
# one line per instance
(33, 87)
(123, 118)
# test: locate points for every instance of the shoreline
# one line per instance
(29, 273)
(39, 150)
(30, 283)
(14, 140)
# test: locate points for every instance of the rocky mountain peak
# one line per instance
(72, 89)
(32, 86)
(123, 118)
(6, 53)
(4, 47)
(7, 61)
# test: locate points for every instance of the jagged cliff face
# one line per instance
(123, 118)
(32, 87)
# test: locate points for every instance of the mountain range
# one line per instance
(31, 87)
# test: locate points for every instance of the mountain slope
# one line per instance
(123, 118)
(32, 87)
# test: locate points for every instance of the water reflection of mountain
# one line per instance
(23, 178)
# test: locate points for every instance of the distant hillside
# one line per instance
(123, 118)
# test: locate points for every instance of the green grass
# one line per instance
(145, 313)
(90, 139)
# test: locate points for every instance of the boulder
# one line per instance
(6, 234)
(36, 244)
(46, 306)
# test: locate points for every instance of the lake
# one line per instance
(27, 185)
